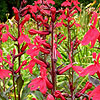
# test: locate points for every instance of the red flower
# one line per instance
(92, 69)
(22, 38)
(53, 12)
(4, 73)
(87, 86)
(50, 2)
(40, 82)
(34, 99)
(7, 34)
(34, 49)
(4, 37)
(23, 63)
(1, 26)
(32, 64)
(47, 1)
(2, 59)
(75, 2)
(26, 18)
(66, 3)
(33, 52)
(92, 34)
(95, 94)
(50, 97)
(42, 42)
(58, 94)
(33, 31)
(77, 69)
(16, 13)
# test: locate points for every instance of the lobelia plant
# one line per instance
(41, 45)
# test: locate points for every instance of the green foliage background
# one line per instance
(6, 6)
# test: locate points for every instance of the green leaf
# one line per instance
(94, 81)
(39, 95)
(25, 92)
(19, 83)
(3, 97)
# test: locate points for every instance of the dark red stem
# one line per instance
(19, 58)
(53, 62)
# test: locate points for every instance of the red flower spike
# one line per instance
(23, 38)
(4, 73)
(66, 3)
(50, 97)
(33, 31)
(95, 94)
(16, 13)
(92, 69)
(58, 94)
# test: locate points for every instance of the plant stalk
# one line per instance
(53, 60)
(19, 58)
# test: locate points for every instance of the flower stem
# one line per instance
(14, 82)
(19, 58)
(53, 62)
